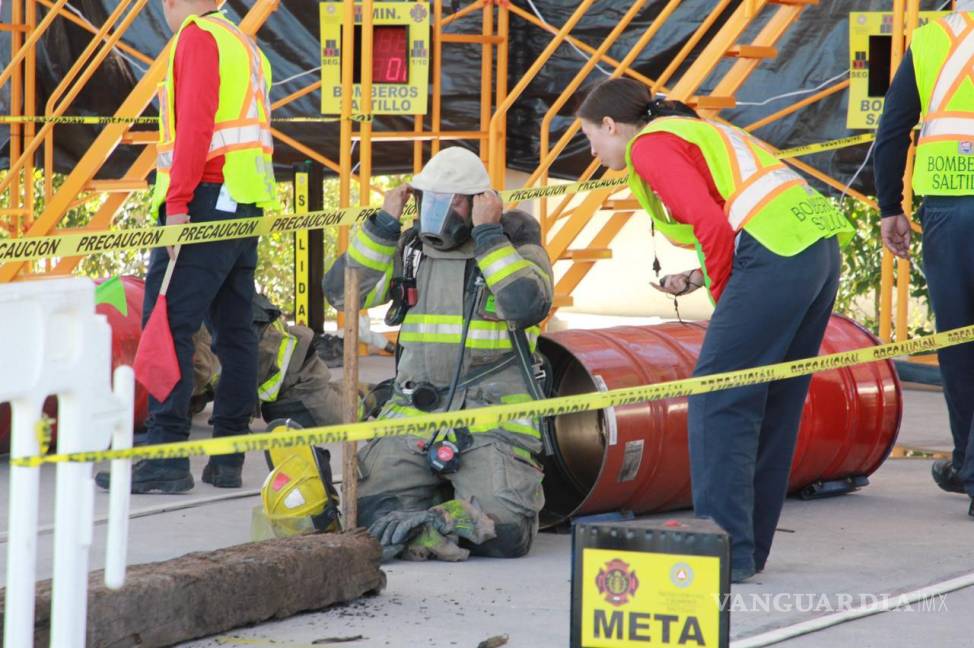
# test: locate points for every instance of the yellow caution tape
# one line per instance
(30, 248)
(495, 415)
(82, 244)
(832, 145)
(114, 119)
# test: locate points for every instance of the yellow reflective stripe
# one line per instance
(403, 411)
(501, 263)
(448, 329)
(380, 291)
(270, 388)
(431, 338)
(370, 254)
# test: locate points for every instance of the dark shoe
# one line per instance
(741, 574)
(153, 477)
(222, 475)
(946, 476)
(970, 509)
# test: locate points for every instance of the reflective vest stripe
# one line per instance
(755, 186)
(270, 388)
(448, 329)
(369, 253)
(757, 193)
(943, 125)
(235, 137)
(954, 70)
(380, 291)
(501, 264)
(947, 128)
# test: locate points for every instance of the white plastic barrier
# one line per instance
(53, 342)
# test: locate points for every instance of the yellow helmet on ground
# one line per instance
(298, 495)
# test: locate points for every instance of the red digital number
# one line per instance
(389, 55)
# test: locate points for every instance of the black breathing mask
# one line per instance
(442, 223)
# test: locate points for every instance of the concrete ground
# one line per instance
(898, 534)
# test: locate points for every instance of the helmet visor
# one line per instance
(435, 210)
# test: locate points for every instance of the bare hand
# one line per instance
(487, 208)
(680, 283)
(175, 219)
(395, 200)
(896, 235)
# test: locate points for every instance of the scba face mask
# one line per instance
(444, 219)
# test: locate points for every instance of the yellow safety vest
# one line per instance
(242, 129)
(943, 52)
(761, 195)
(270, 389)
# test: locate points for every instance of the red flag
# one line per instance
(156, 364)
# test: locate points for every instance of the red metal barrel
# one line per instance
(635, 457)
(126, 331)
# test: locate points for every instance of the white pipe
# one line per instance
(18, 627)
(121, 483)
(888, 603)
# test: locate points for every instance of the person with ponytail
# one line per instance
(768, 245)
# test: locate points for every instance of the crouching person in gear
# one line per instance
(468, 285)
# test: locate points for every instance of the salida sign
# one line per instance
(634, 598)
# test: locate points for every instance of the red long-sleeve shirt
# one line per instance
(196, 77)
(677, 172)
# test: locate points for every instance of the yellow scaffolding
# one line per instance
(562, 221)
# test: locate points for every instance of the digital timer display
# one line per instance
(390, 49)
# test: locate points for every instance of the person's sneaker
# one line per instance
(946, 476)
(153, 477)
(741, 574)
(222, 476)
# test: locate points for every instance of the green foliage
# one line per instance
(862, 258)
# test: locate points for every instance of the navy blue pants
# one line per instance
(773, 309)
(212, 281)
(948, 229)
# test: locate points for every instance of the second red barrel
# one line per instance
(636, 458)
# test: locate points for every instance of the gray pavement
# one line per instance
(896, 535)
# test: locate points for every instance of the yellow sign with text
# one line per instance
(302, 262)
(870, 48)
(400, 58)
(633, 599)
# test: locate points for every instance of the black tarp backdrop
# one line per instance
(813, 51)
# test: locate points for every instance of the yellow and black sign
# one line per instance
(870, 49)
(302, 262)
(649, 583)
(400, 58)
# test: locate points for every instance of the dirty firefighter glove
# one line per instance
(466, 519)
(430, 543)
(398, 527)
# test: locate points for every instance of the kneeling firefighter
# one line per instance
(468, 285)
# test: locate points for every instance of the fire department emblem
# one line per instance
(418, 12)
(616, 582)
(965, 148)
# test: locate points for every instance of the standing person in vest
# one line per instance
(459, 278)
(933, 85)
(769, 254)
(214, 163)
